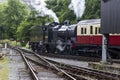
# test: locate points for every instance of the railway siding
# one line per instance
(42, 73)
(42, 62)
(70, 70)
(82, 71)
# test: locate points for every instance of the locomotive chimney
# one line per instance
(67, 22)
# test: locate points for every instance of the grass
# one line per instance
(4, 69)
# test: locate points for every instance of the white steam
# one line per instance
(40, 6)
(78, 6)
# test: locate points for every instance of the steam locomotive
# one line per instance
(59, 37)
(83, 38)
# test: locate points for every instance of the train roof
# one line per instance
(89, 22)
(64, 27)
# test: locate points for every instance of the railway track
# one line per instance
(48, 65)
(31, 69)
(89, 72)
(81, 58)
(80, 72)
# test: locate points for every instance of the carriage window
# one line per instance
(96, 30)
(91, 29)
(81, 30)
(85, 31)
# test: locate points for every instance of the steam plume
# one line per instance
(40, 6)
(78, 6)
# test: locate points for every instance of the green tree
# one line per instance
(2, 20)
(92, 10)
(2, 16)
(15, 13)
(27, 26)
(60, 7)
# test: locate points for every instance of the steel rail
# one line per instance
(97, 73)
(82, 58)
(52, 66)
(57, 70)
(34, 76)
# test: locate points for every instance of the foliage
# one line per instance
(92, 10)
(23, 31)
(2, 16)
(60, 7)
(27, 26)
(2, 19)
(14, 13)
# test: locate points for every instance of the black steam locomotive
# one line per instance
(59, 38)
(56, 38)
